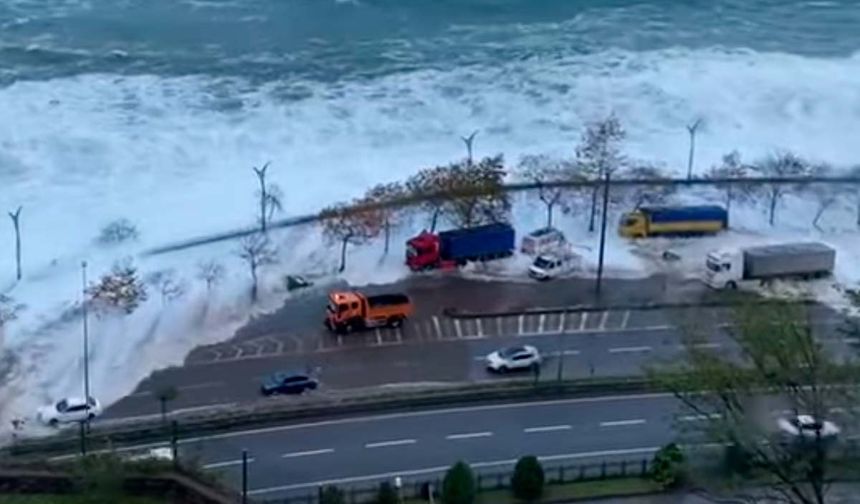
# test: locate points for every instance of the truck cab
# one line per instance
(724, 268)
(423, 251)
(349, 311)
(633, 225)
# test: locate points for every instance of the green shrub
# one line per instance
(668, 466)
(387, 494)
(332, 495)
(458, 487)
(528, 479)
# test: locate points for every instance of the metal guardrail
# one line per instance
(485, 481)
(515, 187)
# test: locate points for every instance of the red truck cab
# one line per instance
(425, 252)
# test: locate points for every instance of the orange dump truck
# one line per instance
(352, 311)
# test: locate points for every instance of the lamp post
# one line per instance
(86, 334)
(602, 235)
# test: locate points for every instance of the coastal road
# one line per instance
(441, 349)
(295, 459)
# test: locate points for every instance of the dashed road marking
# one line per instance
(228, 463)
(457, 328)
(630, 349)
(583, 321)
(520, 324)
(622, 423)
(700, 418)
(436, 325)
(547, 428)
(308, 453)
(480, 328)
(469, 435)
(625, 319)
(499, 326)
(397, 442)
(378, 336)
(541, 321)
(561, 322)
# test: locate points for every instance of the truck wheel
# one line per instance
(503, 369)
(395, 322)
(732, 285)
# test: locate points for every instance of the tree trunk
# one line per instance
(343, 255)
(16, 223)
(729, 196)
(435, 219)
(253, 283)
(261, 176)
(692, 153)
(593, 209)
(549, 207)
(818, 214)
(387, 235)
(774, 198)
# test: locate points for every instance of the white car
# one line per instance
(554, 264)
(70, 409)
(806, 426)
(513, 358)
(163, 453)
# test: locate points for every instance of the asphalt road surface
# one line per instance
(361, 451)
(441, 349)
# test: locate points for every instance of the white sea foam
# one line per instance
(174, 156)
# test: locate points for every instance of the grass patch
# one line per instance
(66, 499)
(580, 490)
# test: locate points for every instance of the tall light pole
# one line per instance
(86, 333)
(599, 283)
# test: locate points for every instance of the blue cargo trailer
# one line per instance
(478, 243)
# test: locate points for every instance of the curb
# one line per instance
(463, 314)
(267, 413)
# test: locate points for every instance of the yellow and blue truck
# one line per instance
(673, 221)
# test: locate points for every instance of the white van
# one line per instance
(542, 240)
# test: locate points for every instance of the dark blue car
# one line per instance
(287, 383)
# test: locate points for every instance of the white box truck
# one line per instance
(730, 268)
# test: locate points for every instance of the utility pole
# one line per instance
(244, 476)
(602, 235)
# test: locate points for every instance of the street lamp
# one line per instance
(602, 235)
(86, 334)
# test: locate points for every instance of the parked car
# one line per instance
(542, 240)
(163, 453)
(513, 358)
(288, 383)
(807, 427)
(70, 409)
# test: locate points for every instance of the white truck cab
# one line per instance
(724, 268)
(554, 264)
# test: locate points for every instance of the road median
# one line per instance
(269, 412)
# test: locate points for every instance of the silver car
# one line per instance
(513, 358)
(807, 427)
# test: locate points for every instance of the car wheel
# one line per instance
(732, 285)
(91, 416)
(503, 369)
(54, 422)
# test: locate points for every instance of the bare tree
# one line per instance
(598, 154)
(270, 197)
(477, 193)
(167, 284)
(731, 167)
(9, 309)
(347, 226)
(540, 170)
(784, 164)
(390, 215)
(257, 251)
(636, 196)
(211, 272)
(428, 186)
(16, 216)
(469, 140)
(120, 289)
(118, 231)
(692, 129)
(824, 195)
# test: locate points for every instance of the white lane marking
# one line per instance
(699, 418)
(583, 321)
(480, 328)
(396, 442)
(228, 463)
(414, 414)
(378, 337)
(458, 329)
(564, 352)
(630, 349)
(339, 340)
(561, 322)
(436, 325)
(541, 321)
(625, 319)
(603, 320)
(308, 453)
(399, 335)
(442, 469)
(547, 428)
(852, 341)
(499, 331)
(469, 435)
(520, 324)
(706, 345)
(620, 423)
